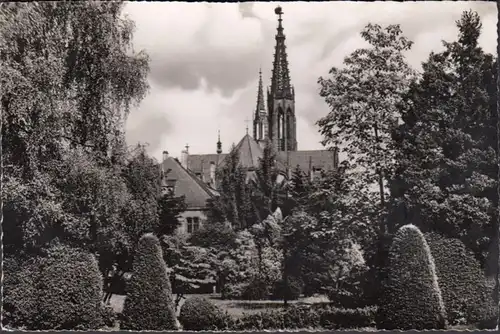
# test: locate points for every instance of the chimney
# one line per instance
(212, 174)
(203, 171)
(164, 158)
(184, 157)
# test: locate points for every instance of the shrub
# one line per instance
(300, 317)
(149, 305)
(292, 290)
(460, 278)
(217, 235)
(19, 302)
(233, 291)
(69, 291)
(258, 289)
(411, 297)
(341, 318)
(291, 318)
(108, 316)
(199, 313)
(266, 320)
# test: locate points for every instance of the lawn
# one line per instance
(234, 307)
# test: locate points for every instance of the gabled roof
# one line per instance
(250, 152)
(186, 184)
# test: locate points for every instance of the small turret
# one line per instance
(219, 145)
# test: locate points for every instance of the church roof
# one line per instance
(250, 152)
(186, 184)
(321, 159)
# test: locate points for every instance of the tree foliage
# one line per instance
(363, 97)
(446, 148)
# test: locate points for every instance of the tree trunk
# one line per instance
(380, 183)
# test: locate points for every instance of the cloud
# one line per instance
(205, 60)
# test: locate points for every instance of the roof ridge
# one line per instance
(250, 149)
(196, 179)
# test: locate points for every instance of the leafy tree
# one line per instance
(149, 304)
(215, 235)
(267, 193)
(68, 78)
(300, 187)
(193, 269)
(446, 148)
(363, 97)
(233, 204)
(412, 297)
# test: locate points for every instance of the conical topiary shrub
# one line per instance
(461, 279)
(149, 305)
(411, 297)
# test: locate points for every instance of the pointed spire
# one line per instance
(280, 81)
(260, 95)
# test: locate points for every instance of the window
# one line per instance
(193, 224)
(170, 186)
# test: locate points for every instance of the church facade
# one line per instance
(276, 124)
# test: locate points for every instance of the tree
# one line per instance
(268, 192)
(446, 148)
(68, 78)
(193, 269)
(149, 304)
(363, 97)
(233, 203)
(412, 297)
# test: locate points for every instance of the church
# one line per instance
(194, 176)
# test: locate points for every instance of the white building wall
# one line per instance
(200, 213)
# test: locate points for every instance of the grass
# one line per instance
(234, 307)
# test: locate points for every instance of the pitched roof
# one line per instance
(323, 159)
(250, 152)
(186, 184)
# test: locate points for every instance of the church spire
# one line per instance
(260, 95)
(260, 115)
(280, 81)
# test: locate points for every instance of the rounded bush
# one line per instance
(69, 291)
(292, 290)
(411, 298)
(19, 302)
(257, 289)
(198, 313)
(148, 305)
(461, 280)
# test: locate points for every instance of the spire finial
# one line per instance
(246, 122)
(280, 81)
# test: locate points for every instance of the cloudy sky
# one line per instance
(205, 61)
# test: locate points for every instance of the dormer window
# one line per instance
(170, 187)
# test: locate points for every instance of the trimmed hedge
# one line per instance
(461, 280)
(411, 298)
(69, 291)
(341, 318)
(19, 302)
(149, 305)
(198, 313)
(306, 317)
